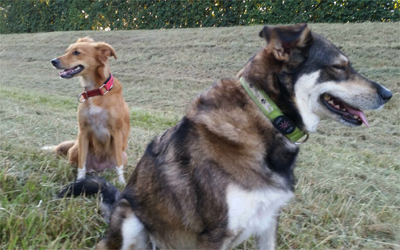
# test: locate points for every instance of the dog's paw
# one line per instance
(81, 173)
(121, 180)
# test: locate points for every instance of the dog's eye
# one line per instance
(339, 67)
(75, 53)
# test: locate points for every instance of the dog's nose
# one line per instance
(55, 62)
(384, 93)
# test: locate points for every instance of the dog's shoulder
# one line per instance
(225, 110)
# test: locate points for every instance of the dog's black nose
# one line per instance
(385, 94)
(55, 62)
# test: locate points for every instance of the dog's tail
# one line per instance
(92, 185)
(61, 149)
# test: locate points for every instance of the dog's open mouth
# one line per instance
(348, 113)
(68, 73)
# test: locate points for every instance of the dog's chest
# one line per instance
(97, 121)
(253, 212)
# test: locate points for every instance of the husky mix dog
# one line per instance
(223, 173)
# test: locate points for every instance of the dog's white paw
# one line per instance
(120, 173)
(81, 173)
(121, 180)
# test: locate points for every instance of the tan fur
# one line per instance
(63, 148)
(108, 143)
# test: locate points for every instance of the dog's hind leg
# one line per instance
(62, 148)
(73, 154)
(125, 230)
(267, 239)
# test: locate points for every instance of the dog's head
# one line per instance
(320, 77)
(85, 58)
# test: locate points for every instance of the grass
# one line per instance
(347, 193)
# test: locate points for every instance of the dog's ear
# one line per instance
(105, 51)
(282, 39)
(85, 39)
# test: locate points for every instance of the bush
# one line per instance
(63, 15)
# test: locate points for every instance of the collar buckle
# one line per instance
(303, 141)
(84, 95)
(106, 90)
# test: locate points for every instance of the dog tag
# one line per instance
(284, 124)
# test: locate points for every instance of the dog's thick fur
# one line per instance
(103, 120)
(223, 172)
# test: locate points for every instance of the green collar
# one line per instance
(281, 122)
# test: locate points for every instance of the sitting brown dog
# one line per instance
(103, 115)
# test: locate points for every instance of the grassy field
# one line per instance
(347, 193)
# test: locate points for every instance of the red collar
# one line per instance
(108, 85)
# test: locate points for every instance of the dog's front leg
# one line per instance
(83, 144)
(117, 136)
(267, 239)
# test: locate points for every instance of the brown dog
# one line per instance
(103, 115)
(225, 170)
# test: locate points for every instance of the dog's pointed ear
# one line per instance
(266, 32)
(85, 39)
(282, 39)
(105, 51)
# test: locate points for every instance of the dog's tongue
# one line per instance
(358, 113)
(67, 71)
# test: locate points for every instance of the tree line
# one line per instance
(27, 16)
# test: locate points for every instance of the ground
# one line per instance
(348, 179)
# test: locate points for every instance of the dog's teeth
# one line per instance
(326, 97)
(337, 106)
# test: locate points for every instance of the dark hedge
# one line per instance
(22, 16)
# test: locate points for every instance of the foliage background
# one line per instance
(26, 16)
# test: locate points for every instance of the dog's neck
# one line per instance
(95, 80)
(271, 75)
(281, 122)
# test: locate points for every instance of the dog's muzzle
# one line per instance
(55, 62)
(384, 93)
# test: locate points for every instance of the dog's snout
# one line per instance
(55, 62)
(384, 93)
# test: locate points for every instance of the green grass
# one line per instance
(347, 194)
